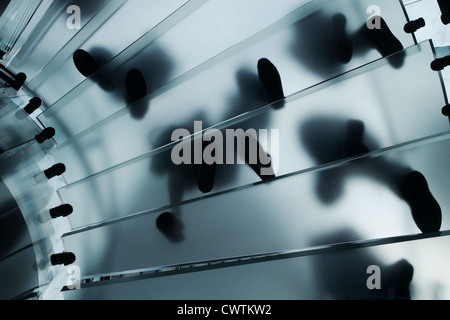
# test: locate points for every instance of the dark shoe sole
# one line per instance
(170, 226)
(271, 80)
(85, 63)
(425, 210)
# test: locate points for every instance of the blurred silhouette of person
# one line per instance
(329, 139)
(343, 274)
(132, 81)
(324, 44)
(256, 90)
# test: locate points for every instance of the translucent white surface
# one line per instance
(312, 129)
(289, 43)
(51, 35)
(338, 275)
(96, 37)
(285, 214)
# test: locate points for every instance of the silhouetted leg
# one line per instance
(344, 140)
(330, 184)
(271, 81)
(425, 210)
(136, 87)
(385, 42)
(399, 280)
(343, 274)
(169, 223)
(206, 173)
(354, 134)
(341, 42)
(410, 186)
(257, 159)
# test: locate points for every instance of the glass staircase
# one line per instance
(347, 99)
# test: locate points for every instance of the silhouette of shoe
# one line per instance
(425, 210)
(136, 87)
(207, 173)
(385, 42)
(170, 226)
(341, 42)
(271, 81)
(354, 144)
(85, 63)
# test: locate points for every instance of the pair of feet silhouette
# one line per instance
(135, 82)
(324, 42)
(376, 31)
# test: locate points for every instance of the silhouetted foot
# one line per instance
(85, 63)
(354, 144)
(341, 42)
(330, 184)
(136, 87)
(401, 279)
(385, 42)
(271, 81)
(258, 159)
(169, 224)
(206, 177)
(425, 210)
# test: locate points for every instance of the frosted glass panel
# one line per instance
(104, 40)
(384, 115)
(283, 42)
(11, 119)
(366, 195)
(51, 34)
(341, 274)
(21, 169)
